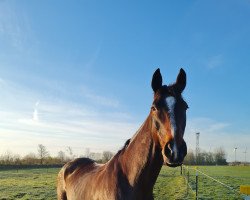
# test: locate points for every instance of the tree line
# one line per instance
(43, 157)
(217, 157)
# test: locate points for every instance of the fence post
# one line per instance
(187, 180)
(181, 169)
(196, 183)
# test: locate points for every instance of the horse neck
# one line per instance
(142, 159)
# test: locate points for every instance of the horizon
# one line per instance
(79, 74)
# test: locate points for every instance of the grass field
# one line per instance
(34, 184)
(232, 176)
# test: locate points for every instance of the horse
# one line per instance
(132, 172)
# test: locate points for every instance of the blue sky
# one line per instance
(78, 73)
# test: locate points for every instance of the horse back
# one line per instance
(75, 166)
(85, 179)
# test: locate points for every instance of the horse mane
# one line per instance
(124, 146)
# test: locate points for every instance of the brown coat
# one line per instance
(130, 174)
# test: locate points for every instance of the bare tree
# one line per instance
(220, 156)
(209, 158)
(8, 157)
(106, 156)
(190, 158)
(62, 157)
(42, 153)
(87, 152)
(70, 152)
(30, 159)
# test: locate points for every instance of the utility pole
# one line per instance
(245, 152)
(235, 148)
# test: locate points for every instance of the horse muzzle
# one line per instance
(174, 155)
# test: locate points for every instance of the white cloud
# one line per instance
(93, 58)
(2, 82)
(26, 122)
(103, 100)
(66, 130)
(35, 113)
(37, 103)
(215, 61)
(58, 124)
(100, 100)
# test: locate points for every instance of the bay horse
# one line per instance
(132, 172)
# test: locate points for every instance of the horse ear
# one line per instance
(180, 83)
(156, 80)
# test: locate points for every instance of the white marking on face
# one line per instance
(171, 106)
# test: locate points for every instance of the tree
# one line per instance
(202, 158)
(220, 156)
(61, 156)
(87, 152)
(209, 158)
(42, 153)
(30, 159)
(190, 158)
(70, 152)
(8, 157)
(106, 156)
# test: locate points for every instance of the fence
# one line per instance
(204, 186)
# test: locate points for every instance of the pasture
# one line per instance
(40, 184)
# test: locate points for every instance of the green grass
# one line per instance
(170, 185)
(32, 184)
(40, 184)
(232, 176)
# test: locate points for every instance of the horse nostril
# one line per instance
(175, 153)
(169, 150)
(183, 151)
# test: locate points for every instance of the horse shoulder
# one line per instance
(80, 176)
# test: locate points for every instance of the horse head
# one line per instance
(168, 113)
